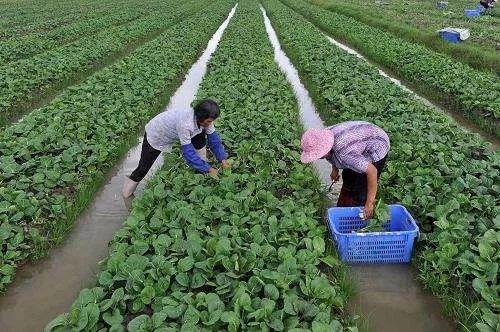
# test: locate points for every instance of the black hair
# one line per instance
(207, 108)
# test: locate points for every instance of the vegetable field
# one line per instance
(419, 21)
(248, 250)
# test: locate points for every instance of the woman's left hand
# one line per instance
(368, 210)
(225, 164)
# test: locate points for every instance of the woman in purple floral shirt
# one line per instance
(360, 149)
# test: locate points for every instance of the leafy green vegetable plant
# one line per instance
(381, 216)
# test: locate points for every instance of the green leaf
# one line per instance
(185, 264)
(191, 316)
(93, 315)
(61, 320)
(118, 295)
(7, 269)
(105, 278)
(158, 318)
(231, 318)
(182, 279)
(330, 261)
(175, 312)
(271, 292)
(113, 319)
(5, 231)
(320, 327)
(319, 244)
(138, 324)
(213, 302)
(147, 294)
(484, 328)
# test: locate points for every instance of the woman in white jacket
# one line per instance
(194, 128)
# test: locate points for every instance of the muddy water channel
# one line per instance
(388, 297)
(43, 290)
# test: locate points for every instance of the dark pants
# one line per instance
(354, 186)
(149, 155)
(485, 3)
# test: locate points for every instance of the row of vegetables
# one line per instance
(474, 93)
(25, 46)
(23, 18)
(28, 80)
(53, 160)
(246, 251)
(446, 175)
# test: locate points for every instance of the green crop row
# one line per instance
(442, 173)
(53, 160)
(26, 81)
(28, 45)
(19, 19)
(245, 252)
(418, 21)
(475, 94)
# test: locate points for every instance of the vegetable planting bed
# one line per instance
(439, 170)
(245, 252)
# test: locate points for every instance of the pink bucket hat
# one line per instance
(315, 143)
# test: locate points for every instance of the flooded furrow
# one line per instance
(388, 297)
(47, 288)
(307, 111)
(460, 119)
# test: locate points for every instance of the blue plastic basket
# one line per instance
(453, 37)
(441, 4)
(393, 246)
(472, 13)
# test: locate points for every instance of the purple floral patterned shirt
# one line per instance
(356, 144)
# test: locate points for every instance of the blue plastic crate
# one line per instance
(472, 13)
(452, 37)
(393, 246)
(441, 4)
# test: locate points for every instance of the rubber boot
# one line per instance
(202, 153)
(129, 187)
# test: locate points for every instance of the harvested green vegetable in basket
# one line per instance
(381, 216)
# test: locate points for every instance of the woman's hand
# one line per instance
(368, 210)
(334, 175)
(213, 172)
(225, 164)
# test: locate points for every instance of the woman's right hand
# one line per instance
(334, 175)
(213, 172)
